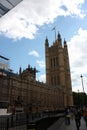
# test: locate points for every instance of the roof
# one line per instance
(7, 72)
(4, 57)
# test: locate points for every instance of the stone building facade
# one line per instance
(58, 69)
(22, 92)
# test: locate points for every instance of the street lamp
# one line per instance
(82, 83)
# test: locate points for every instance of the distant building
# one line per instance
(21, 92)
(4, 63)
(7, 5)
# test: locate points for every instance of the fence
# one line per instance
(18, 121)
(21, 121)
(8, 122)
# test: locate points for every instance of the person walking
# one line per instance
(85, 116)
(78, 118)
(67, 116)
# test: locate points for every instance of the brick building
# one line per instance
(22, 92)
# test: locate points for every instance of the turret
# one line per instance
(59, 40)
(20, 71)
(65, 44)
(46, 42)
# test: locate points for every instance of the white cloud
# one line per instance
(42, 78)
(41, 64)
(78, 59)
(22, 21)
(74, 7)
(34, 53)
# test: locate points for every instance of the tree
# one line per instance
(79, 98)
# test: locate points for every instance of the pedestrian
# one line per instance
(67, 116)
(85, 116)
(72, 113)
(78, 118)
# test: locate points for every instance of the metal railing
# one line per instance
(20, 121)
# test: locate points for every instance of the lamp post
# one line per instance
(83, 89)
(82, 83)
(78, 98)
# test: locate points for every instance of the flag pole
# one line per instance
(54, 28)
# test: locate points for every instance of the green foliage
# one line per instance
(80, 98)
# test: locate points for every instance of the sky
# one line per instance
(23, 31)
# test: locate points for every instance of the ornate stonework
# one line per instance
(22, 91)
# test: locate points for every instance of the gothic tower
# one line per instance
(58, 69)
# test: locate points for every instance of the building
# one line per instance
(58, 69)
(7, 5)
(22, 92)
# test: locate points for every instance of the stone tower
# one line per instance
(58, 69)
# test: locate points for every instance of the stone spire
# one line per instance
(59, 40)
(65, 44)
(20, 71)
(65, 47)
(46, 42)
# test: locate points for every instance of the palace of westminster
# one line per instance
(23, 92)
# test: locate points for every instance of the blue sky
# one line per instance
(23, 31)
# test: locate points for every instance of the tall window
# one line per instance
(58, 80)
(54, 62)
(51, 62)
(55, 80)
(51, 80)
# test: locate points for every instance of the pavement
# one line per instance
(72, 126)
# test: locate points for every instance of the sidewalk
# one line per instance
(72, 126)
